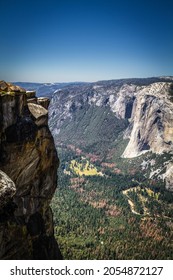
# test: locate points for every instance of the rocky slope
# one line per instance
(28, 176)
(141, 109)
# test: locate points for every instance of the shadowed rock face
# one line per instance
(28, 180)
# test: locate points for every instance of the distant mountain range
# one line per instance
(47, 89)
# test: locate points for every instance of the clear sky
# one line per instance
(85, 40)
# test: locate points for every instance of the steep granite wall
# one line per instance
(152, 121)
(28, 178)
(151, 125)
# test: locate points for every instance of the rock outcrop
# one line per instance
(28, 177)
(7, 189)
(9, 88)
(169, 177)
(151, 121)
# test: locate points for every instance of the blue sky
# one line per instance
(85, 40)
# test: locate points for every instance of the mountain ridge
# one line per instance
(44, 89)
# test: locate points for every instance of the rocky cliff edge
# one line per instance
(28, 176)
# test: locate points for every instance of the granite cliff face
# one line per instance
(93, 111)
(151, 125)
(28, 176)
(147, 108)
(151, 121)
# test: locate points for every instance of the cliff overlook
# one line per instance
(28, 176)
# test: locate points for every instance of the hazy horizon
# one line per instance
(85, 40)
(94, 81)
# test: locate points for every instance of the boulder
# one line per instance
(7, 189)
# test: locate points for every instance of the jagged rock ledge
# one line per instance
(28, 177)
